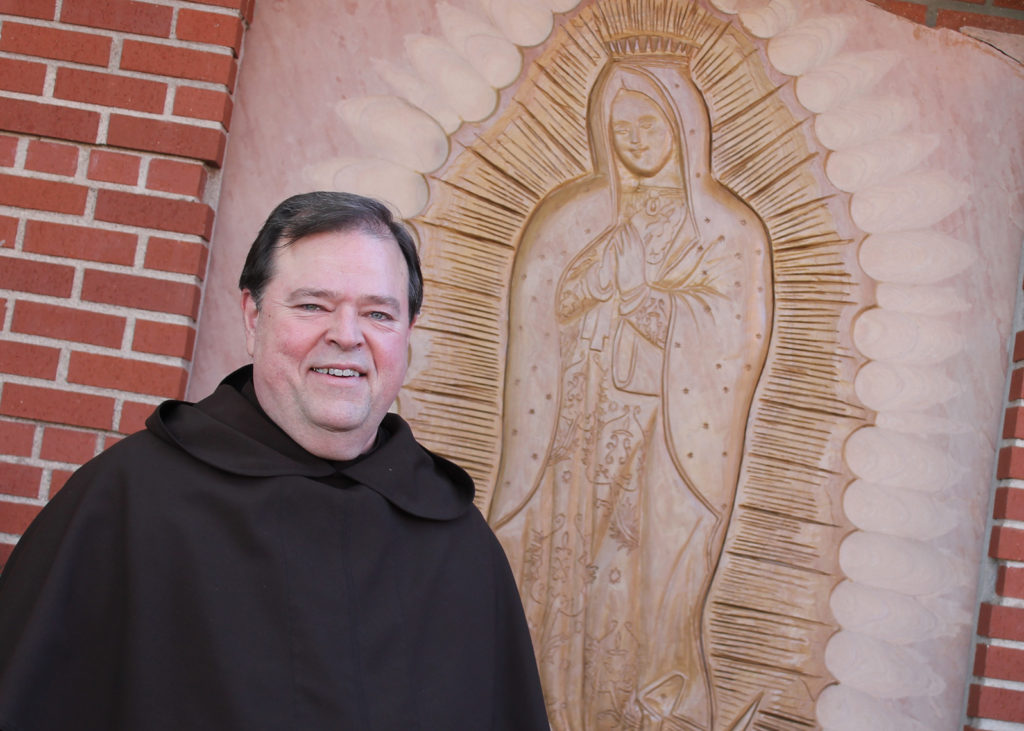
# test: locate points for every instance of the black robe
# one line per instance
(209, 573)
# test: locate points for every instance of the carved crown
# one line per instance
(632, 45)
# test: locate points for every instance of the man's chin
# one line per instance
(344, 424)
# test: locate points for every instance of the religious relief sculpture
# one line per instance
(644, 295)
(614, 496)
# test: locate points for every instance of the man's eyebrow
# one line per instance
(315, 293)
(311, 292)
(383, 300)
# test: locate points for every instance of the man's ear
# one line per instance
(250, 316)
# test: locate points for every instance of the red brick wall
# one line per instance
(996, 692)
(1006, 16)
(114, 116)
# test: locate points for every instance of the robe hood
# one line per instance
(228, 431)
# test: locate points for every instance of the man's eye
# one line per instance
(310, 307)
(380, 316)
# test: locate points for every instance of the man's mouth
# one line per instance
(339, 372)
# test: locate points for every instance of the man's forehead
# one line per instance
(339, 238)
(362, 236)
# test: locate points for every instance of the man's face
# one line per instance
(330, 339)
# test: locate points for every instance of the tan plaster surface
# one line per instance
(918, 143)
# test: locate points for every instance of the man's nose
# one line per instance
(344, 329)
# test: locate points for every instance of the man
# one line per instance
(282, 554)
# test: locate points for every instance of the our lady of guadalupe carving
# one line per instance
(641, 302)
(662, 314)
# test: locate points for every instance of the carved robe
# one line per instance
(622, 449)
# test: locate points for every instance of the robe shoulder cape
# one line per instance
(208, 573)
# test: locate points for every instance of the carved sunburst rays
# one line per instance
(669, 20)
(781, 545)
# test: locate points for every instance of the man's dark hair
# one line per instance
(312, 213)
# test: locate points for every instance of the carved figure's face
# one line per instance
(641, 133)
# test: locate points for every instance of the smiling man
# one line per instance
(329, 337)
(283, 554)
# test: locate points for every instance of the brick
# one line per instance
(16, 517)
(1003, 663)
(57, 406)
(1001, 704)
(1009, 504)
(1017, 385)
(219, 29)
(8, 150)
(19, 479)
(68, 323)
(144, 293)
(133, 416)
(17, 438)
(956, 20)
(51, 157)
(211, 104)
(55, 43)
(1010, 581)
(165, 214)
(1001, 622)
(1013, 423)
(164, 338)
(38, 277)
(169, 138)
(176, 256)
(144, 18)
(114, 167)
(8, 233)
(42, 195)
(1007, 543)
(42, 9)
(68, 445)
(49, 120)
(183, 63)
(80, 242)
(1012, 4)
(109, 440)
(108, 371)
(174, 176)
(1010, 463)
(911, 11)
(58, 479)
(110, 90)
(28, 359)
(27, 77)
(1018, 347)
